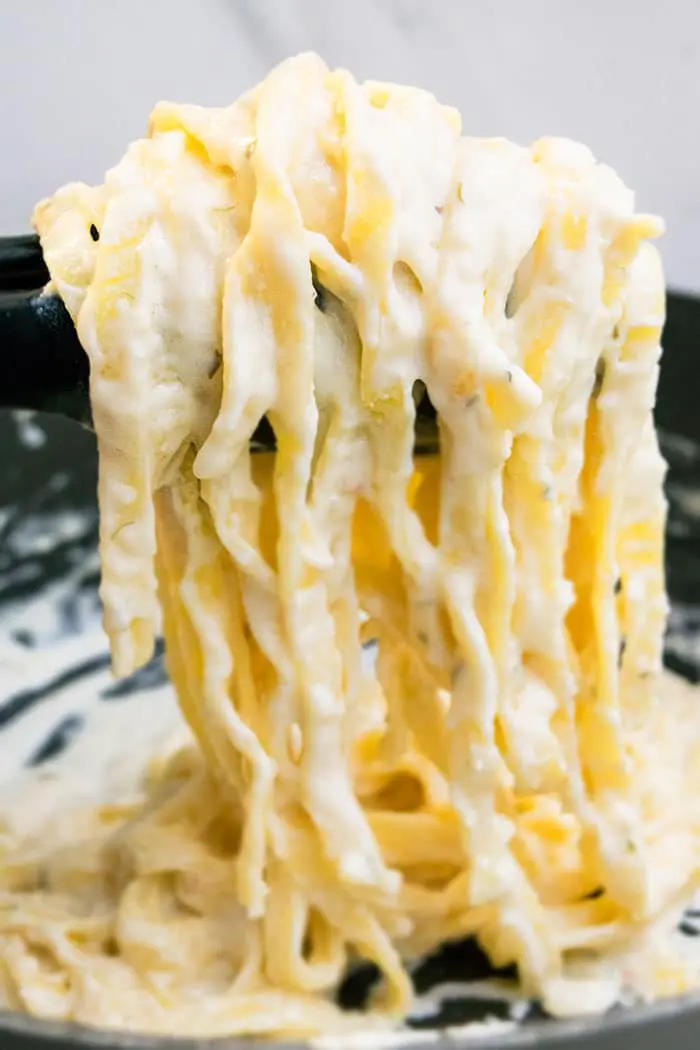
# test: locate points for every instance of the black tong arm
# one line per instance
(44, 368)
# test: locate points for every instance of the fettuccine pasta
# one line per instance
(424, 692)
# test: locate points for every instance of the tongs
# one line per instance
(44, 368)
(42, 364)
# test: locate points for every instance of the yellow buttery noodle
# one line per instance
(506, 760)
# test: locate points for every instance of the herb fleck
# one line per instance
(620, 655)
(599, 378)
(457, 672)
(618, 585)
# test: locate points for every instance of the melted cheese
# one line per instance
(495, 770)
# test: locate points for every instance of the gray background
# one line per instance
(78, 79)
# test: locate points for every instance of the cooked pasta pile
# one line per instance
(425, 692)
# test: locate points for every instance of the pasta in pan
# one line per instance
(503, 763)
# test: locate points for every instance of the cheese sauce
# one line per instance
(510, 764)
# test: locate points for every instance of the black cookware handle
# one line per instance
(42, 364)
